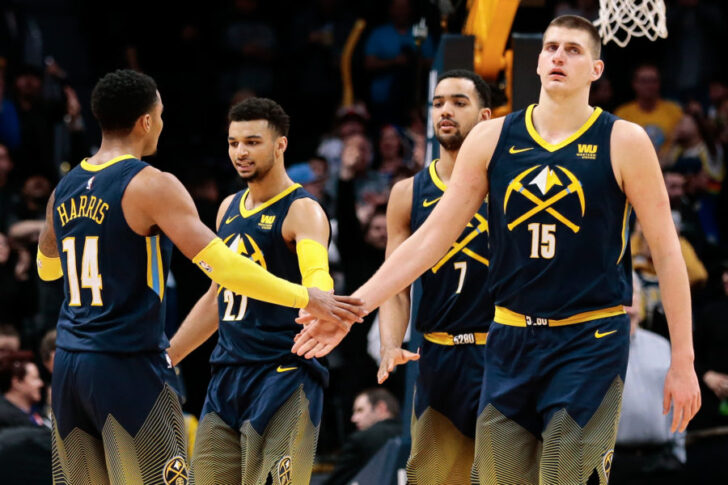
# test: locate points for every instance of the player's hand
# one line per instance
(717, 382)
(683, 392)
(391, 358)
(319, 337)
(326, 306)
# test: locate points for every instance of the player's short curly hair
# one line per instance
(481, 87)
(261, 109)
(120, 98)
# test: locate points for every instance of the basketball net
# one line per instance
(620, 20)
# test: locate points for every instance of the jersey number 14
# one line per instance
(90, 277)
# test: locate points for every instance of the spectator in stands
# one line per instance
(9, 121)
(657, 116)
(697, 32)
(390, 151)
(602, 94)
(249, 45)
(8, 191)
(20, 385)
(376, 413)
(683, 211)
(15, 298)
(9, 339)
(393, 60)
(47, 350)
(646, 450)
(709, 429)
(350, 120)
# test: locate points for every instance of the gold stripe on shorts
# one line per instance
(514, 319)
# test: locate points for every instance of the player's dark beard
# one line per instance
(452, 142)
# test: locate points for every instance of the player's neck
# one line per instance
(115, 147)
(445, 164)
(555, 119)
(267, 187)
(18, 401)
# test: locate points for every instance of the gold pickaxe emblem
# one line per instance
(541, 205)
(460, 246)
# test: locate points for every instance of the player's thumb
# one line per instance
(410, 355)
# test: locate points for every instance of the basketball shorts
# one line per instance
(259, 425)
(117, 419)
(550, 409)
(446, 398)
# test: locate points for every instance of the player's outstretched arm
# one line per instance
(196, 328)
(202, 321)
(394, 313)
(157, 199)
(468, 186)
(638, 171)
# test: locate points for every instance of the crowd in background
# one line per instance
(52, 53)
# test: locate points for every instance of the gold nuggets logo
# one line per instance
(284, 470)
(607, 462)
(479, 224)
(238, 245)
(587, 152)
(266, 222)
(175, 472)
(545, 181)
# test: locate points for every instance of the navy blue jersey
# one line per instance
(452, 296)
(113, 278)
(252, 331)
(558, 221)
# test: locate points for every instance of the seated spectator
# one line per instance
(646, 450)
(8, 192)
(376, 413)
(708, 437)
(391, 58)
(9, 339)
(694, 140)
(657, 116)
(20, 385)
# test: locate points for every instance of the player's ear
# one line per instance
(281, 144)
(145, 122)
(484, 114)
(597, 69)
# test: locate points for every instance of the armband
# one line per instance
(313, 260)
(49, 269)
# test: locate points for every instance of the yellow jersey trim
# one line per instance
(625, 230)
(508, 317)
(436, 178)
(97, 168)
(247, 213)
(444, 338)
(553, 147)
(155, 269)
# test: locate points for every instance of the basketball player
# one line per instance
(451, 305)
(116, 413)
(561, 178)
(263, 407)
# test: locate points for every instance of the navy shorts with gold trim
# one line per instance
(260, 422)
(117, 418)
(550, 409)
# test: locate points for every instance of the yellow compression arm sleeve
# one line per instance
(49, 269)
(245, 277)
(313, 260)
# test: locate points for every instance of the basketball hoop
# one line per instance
(620, 20)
